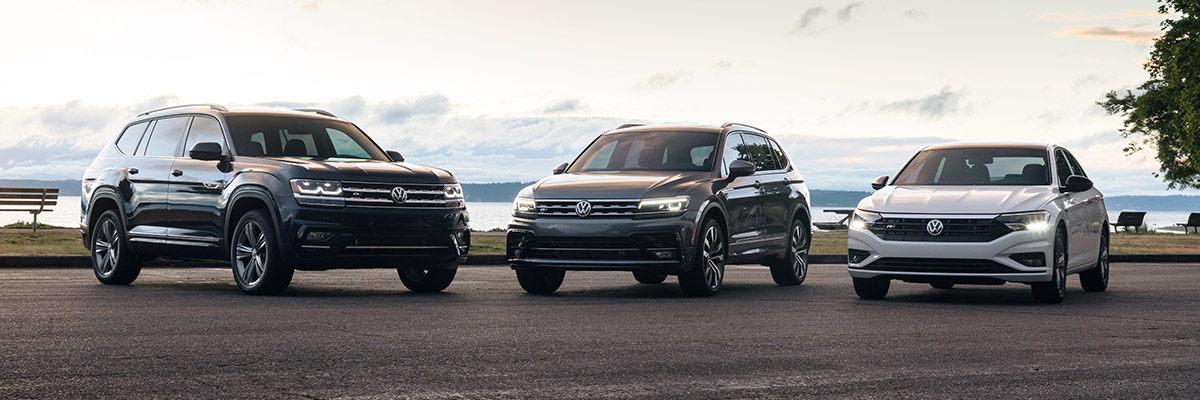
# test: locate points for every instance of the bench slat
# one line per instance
(28, 190)
(34, 196)
(24, 210)
(4, 202)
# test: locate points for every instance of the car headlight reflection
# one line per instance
(662, 207)
(864, 219)
(1037, 221)
(524, 207)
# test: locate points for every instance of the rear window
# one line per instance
(129, 140)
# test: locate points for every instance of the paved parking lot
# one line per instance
(188, 332)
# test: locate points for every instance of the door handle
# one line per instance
(757, 185)
(133, 171)
(176, 173)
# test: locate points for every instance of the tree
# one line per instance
(1164, 112)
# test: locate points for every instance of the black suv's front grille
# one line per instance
(940, 265)
(600, 208)
(644, 247)
(365, 194)
(953, 229)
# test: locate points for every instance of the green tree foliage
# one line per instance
(1164, 112)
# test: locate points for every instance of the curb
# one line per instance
(500, 259)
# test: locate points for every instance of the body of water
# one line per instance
(487, 216)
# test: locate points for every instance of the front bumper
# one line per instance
(965, 262)
(662, 245)
(361, 237)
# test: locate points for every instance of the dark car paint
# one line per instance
(169, 210)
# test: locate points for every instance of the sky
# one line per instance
(503, 91)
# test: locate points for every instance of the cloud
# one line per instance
(934, 106)
(807, 20)
(722, 66)
(1100, 32)
(1083, 16)
(563, 106)
(425, 106)
(915, 14)
(845, 13)
(664, 80)
(813, 21)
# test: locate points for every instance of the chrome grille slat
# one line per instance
(600, 208)
(378, 195)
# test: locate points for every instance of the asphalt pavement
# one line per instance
(189, 332)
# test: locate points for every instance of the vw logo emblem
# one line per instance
(398, 195)
(583, 208)
(934, 227)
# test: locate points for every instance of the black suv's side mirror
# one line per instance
(560, 168)
(395, 156)
(1077, 183)
(741, 168)
(879, 182)
(207, 151)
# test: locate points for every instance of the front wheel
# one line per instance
(649, 278)
(426, 280)
(257, 266)
(540, 281)
(793, 269)
(871, 288)
(708, 271)
(1056, 289)
(1096, 279)
(111, 261)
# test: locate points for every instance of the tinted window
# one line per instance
(1075, 168)
(760, 152)
(131, 137)
(649, 151)
(733, 147)
(301, 137)
(783, 160)
(165, 136)
(204, 129)
(1062, 166)
(976, 166)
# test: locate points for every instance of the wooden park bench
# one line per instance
(31, 200)
(1192, 222)
(1127, 219)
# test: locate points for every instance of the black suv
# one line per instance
(298, 189)
(665, 200)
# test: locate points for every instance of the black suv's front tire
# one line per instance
(708, 273)
(111, 261)
(257, 266)
(792, 270)
(427, 280)
(649, 278)
(540, 281)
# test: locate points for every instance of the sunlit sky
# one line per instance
(503, 91)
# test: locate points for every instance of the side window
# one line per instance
(761, 153)
(164, 138)
(1078, 170)
(782, 158)
(204, 129)
(344, 145)
(733, 151)
(1062, 167)
(129, 140)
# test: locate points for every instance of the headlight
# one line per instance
(1037, 221)
(525, 208)
(318, 193)
(662, 207)
(454, 192)
(864, 219)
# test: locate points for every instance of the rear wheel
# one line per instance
(871, 288)
(540, 281)
(257, 266)
(792, 270)
(708, 271)
(422, 280)
(111, 261)
(1096, 279)
(1056, 289)
(649, 278)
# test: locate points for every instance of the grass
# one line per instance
(68, 243)
(29, 225)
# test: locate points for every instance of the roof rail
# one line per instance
(729, 124)
(213, 106)
(316, 111)
(623, 126)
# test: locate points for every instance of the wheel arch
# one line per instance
(245, 199)
(104, 198)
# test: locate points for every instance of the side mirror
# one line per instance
(741, 168)
(207, 151)
(560, 168)
(879, 182)
(395, 156)
(1077, 183)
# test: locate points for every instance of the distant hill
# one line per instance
(503, 192)
(835, 198)
(1177, 202)
(65, 187)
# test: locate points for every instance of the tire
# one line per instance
(540, 281)
(254, 253)
(1054, 291)
(871, 288)
(112, 262)
(793, 269)
(649, 278)
(708, 273)
(942, 285)
(426, 280)
(1096, 279)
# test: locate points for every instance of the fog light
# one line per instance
(317, 236)
(1030, 259)
(857, 256)
(664, 254)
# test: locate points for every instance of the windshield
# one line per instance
(649, 151)
(976, 166)
(301, 137)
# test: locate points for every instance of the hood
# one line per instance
(370, 171)
(958, 199)
(621, 185)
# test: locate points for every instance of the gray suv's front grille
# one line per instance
(366, 194)
(600, 208)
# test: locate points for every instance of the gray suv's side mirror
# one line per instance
(560, 168)
(207, 151)
(395, 156)
(1077, 183)
(879, 182)
(741, 168)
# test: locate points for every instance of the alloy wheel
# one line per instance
(799, 250)
(107, 248)
(713, 252)
(252, 254)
